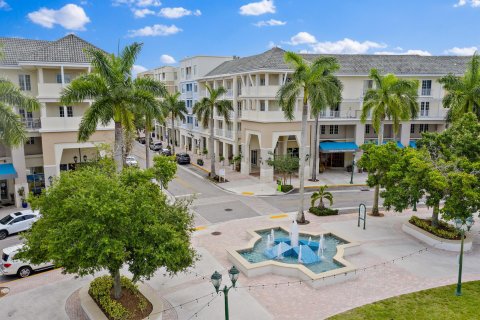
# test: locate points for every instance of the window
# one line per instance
(24, 82)
(29, 216)
(322, 129)
(69, 111)
(426, 87)
(189, 87)
(30, 140)
(367, 84)
(61, 111)
(424, 109)
(17, 220)
(189, 119)
(423, 127)
(189, 103)
(367, 128)
(262, 81)
(334, 129)
(67, 78)
(262, 105)
(412, 128)
(22, 113)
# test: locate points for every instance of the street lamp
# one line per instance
(460, 225)
(75, 158)
(85, 158)
(216, 280)
(353, 168)
(50, 180)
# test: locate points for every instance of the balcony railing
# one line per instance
(426, 91)
(32, 123)
(229, 134)
(219, 132)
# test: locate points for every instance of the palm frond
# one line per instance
(12, 131)
(11, 95)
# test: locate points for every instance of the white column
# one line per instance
(267, 80)
(40, 75)
(266, 171)
(359, 134)
(245, 162)
(18, 160)
(63, 76)
(405, 133)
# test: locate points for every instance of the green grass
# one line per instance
(437, 303)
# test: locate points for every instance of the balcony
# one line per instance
(260, 91)
(341, 114)
(426, 92)
(66, 124)
(32, 124)
(268, 116)
(229, 134)
(219, 132)
(49, 90)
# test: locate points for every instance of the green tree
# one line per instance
(164, 169)
(286, 165)
(176, 110)
(320, 195)
(12, 130)
(378, 159)
(115, 94)
(463, 196)
(205, 110)
(391, 98)
(96, 219)
(316, 84)
(463, 93)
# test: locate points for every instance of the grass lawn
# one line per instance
(437, 303)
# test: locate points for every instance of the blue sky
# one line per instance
(174, 29)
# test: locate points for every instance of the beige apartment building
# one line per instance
(168, 75)
(42, 69)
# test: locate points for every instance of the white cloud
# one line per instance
(175, 13)
(137, 3)
(456, 51)
(142, 13)
(408, 52)
(302, 38)
(155, 30)
(270, 23)
(165, 58)
(4, 5)
(472, 3)
(137, 69)
(70, 16)
(344, 46)
(258, 8)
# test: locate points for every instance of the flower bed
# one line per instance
(444, 230)
(323, 211)
(131, 306)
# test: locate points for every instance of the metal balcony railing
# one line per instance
(32, 123)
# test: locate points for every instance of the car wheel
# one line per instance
(24, 272)
(3, 234)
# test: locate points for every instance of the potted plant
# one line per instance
(236, 162)
(21, 194)
(222, 159)
(200, 162)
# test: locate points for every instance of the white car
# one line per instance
(11, 266)
(131, 161)
(17, 222)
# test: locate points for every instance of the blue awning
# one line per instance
(413, 144)
(398, 143)
(7, 171)
(335, 146)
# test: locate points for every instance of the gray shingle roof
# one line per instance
(351, 64)
(69, 49)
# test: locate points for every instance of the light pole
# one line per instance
(460, 225)
(353, 168)
(216, 280)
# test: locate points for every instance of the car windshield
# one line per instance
(6, 219)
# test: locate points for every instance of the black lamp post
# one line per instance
(353, 168)
(50, 180)
(216, 280)
(75, 159)
(461, 224)
(84, 158)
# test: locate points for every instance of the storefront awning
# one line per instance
(399, 144)
(413, 144)
(335, 146)
(7, 171)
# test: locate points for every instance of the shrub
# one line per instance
(200, 162)
(286, 187)
(323, 211)
(444, 230)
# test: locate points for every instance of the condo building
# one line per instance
(168, 75)
(258, 129)
(42, 69)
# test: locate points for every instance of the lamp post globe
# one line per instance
(216, 280)
(233, 274)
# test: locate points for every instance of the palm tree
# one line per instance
(391, 98)
(115, 95)
(320, 196)
(12, 130)
(205, 109)
(463, 93)
(317, 86)
(175, 109)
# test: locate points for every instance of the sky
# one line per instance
(172, 30)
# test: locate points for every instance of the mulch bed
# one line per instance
(131, 302)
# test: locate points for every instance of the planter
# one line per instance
(24, 204)
(200, 162)
(437, 242)
(91, 310)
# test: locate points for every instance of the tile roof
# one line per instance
(69, 49)
(351, 64)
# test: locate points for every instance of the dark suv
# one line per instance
(183, 158)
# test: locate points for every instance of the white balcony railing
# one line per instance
(219, 132)
(66, 123)
(32, 123)
(49, 90)
(229, 134)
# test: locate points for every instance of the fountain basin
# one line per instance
(332, 268)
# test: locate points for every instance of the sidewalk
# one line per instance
(250, 185)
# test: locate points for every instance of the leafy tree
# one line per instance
(115, 94)
(12, 130)
(164, 169)
(95, 218)
(463, 93)
(391, 98)
(205, 109)
(284, 164)
(463, 196)
(320, 195)
(316, 84)
(176, 110)
(378, 159)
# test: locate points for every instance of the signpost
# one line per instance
(362, 214)
(221, 174)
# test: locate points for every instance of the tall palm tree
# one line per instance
(12, 130)
(114, 92)
(175, 109)
(391, 98)
(205, 109)
(320, 195)
(463, 93)
(316, 85)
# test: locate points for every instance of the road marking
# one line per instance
(201, 168)
(279, 216)
(248, 193)
(200, 228)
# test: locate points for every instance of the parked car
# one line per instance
(166, 152)
(11, 266)
(142, 140)
(131, 161)
(17, 222)
(156, 146)
(183, 158)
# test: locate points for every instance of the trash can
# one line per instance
(279, 185)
